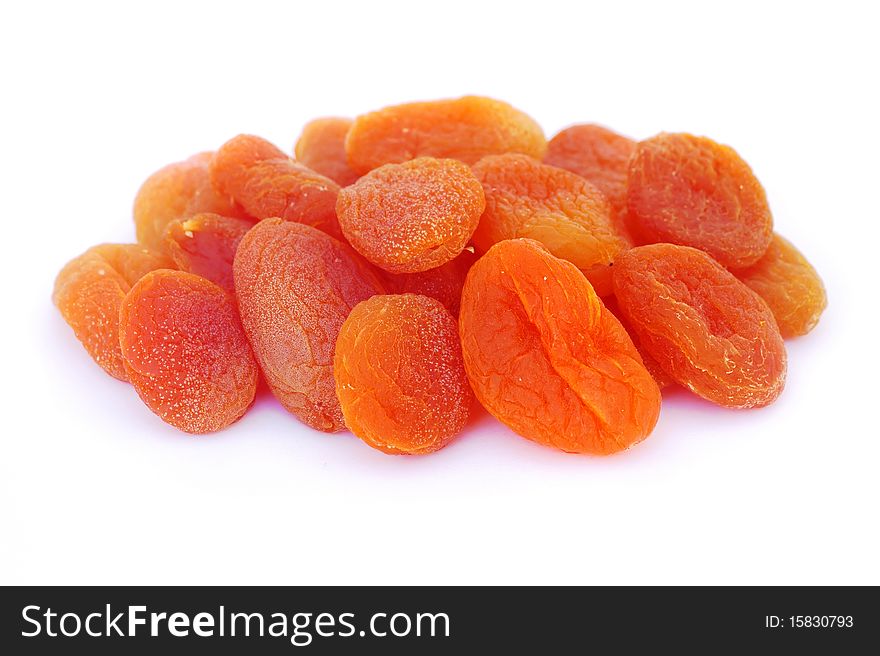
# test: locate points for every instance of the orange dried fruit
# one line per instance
(692, 191)
(321, 147)
(185, 352)
(268, 183)
(663, 379)
(789, 284)
(443, 283)
(414, 216)
(399, 374)
(571, 217)
(205, 245)
(546, 358)
(175, 191)
(89, 290)
(466, 129)
(295, 286)
(704, 327)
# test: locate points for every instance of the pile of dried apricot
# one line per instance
(403, 264)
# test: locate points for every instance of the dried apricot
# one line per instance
(465, 129)
(443, 283)
(413, 216)
(89, 290)
(790, 286)
(601, 156)
(295, 287)
(205, 245)
(268, 183)
(399, 374)
(704, 327)
(663, 379)
(178, 190)
(692, 191)
(546, 358)
(525, 198)
(321, 147)
(185, 352)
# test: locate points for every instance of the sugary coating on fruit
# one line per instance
(267, 183)
(399, 374)
(599, 155)
(789, 284)
(525, 198)
(205, 245)
(89, 290)
(413, 216)
(545, 357)
(321, 147)
(443, 283)
(295, 286)
(663, 379)
(692, 191)
(175, 191)
(466, 129)
(704, 327)
(185, 351)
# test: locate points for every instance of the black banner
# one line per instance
(278, 620)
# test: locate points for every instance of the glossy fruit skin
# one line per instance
(399, 374)
(185, 351)
(601, 156)
(790, 285)
(411, 217)
(267, 183)
(465, 129)
(205, 244)
(546, 358)
(705, 328)
(89, 291)
(443, 283)
(692, 191)
(295, 287)
(321, 147)
(571, 217)
(177, 191)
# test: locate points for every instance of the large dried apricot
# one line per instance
(295, 287)
(321, 147)
(185, 352)
(399, 374)
(790, 286)
(692, 191)
(176, 191)
(525, 198)
(443, 283)
(704, 327)
(268, 183)
(465, 129)
(205, 245)
(545, 357)
(89, 290)
(413, 216)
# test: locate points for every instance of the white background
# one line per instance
(95, 489)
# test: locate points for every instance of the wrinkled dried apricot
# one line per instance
(704, 327)
(267, 183)
(546, 358)
(321, 147)
(663, 379)
(413, 216)
(89, 290)
(185, 352)
(789, 284)
(205, 245)
(399, 374)
(692, 191)
(466, 129)
(443, 283)
(178, 190)
(295, 286)
(525, 198)
(601, 156)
